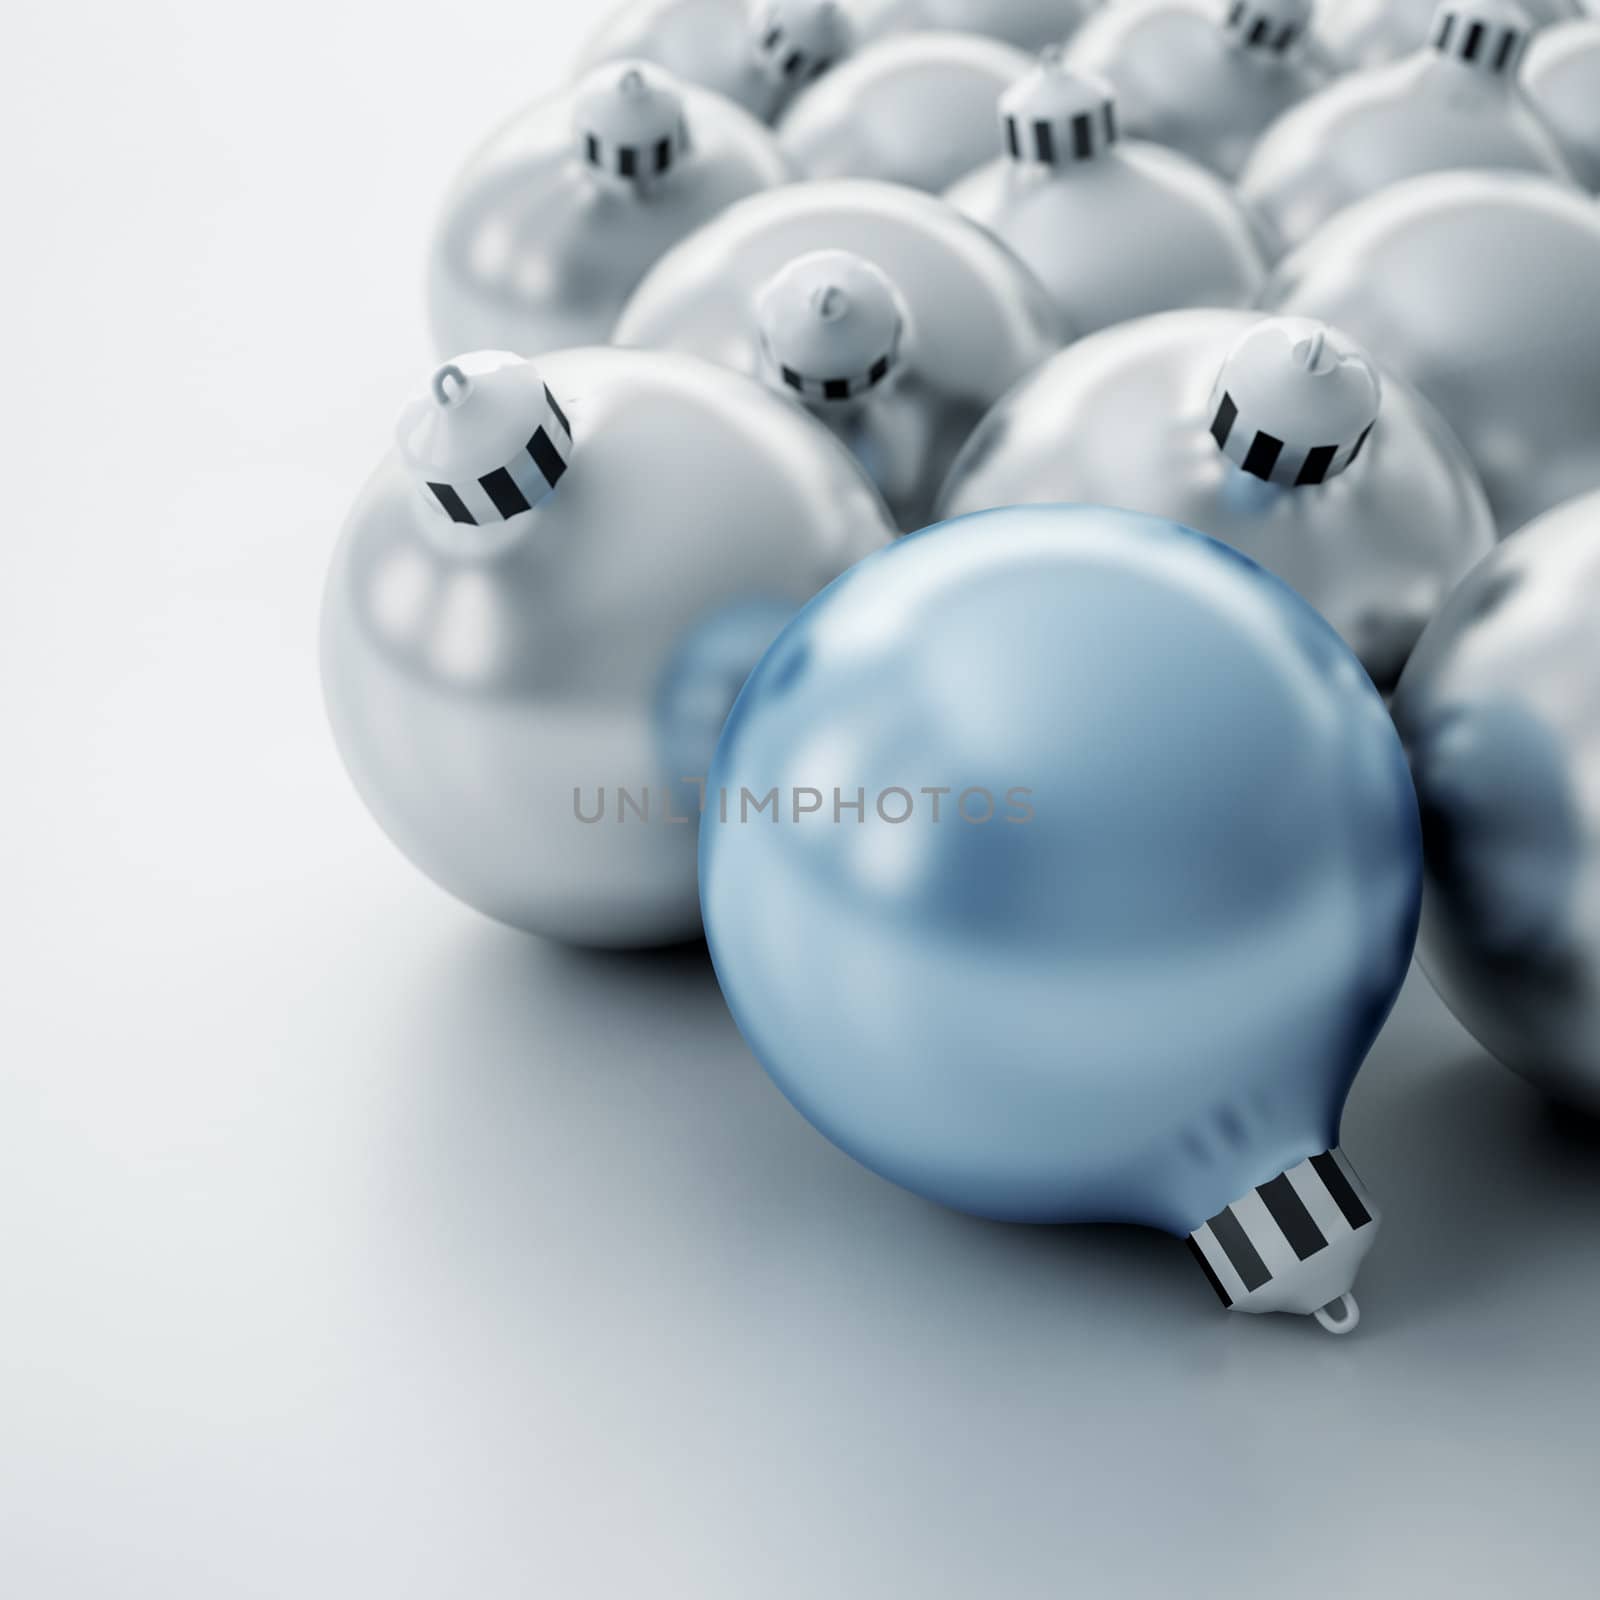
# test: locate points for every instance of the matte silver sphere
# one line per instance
(1434, 111)
(1028, 24)
(1113, 229)
(1128, 419)
(1479, 289)
(1365, 33)
(974, 319)
(1562, 80)
(494, 680)
(541, 239)
(1500, 714)
(759, 53)
(914, 108)
(1196, 75)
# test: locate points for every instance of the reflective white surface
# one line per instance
(355, 1248)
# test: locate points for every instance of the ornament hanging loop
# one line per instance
(450, 385)
(1339, 1316)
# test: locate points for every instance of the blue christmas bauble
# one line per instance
(1061, 864)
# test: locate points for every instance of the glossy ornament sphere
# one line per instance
(915, 108)
(1132, 884)
(555, 220)
(759, 53)
(942, 321)
(1500, 713)
(537, 610)
(1113, 229)
(1561, 77)
(1200, 77)
(1351, 34)
(1478, 289)
(1368, 506)
(1454, 103)
(1028, 24)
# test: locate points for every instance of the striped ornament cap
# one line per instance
(1266, 26)
(487, 442)
(1294, 1244)
(798, 40)
(1056, 116)
(1294, 402)
(1489, 36)
(630, 121)
(830, 325)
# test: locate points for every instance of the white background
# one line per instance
(350, 1246)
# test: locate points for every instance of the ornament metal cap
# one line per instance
(1056, 116)
(630, 121)
(1294, 402)
(797, 40)
(830, 325)
(488, 441)
(1294, 1244)
(1267, 27)
(1489, 36)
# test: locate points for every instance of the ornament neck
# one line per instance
(1294, 402)
(831, 325)
(631, 126)
(488, 442)
(1484, 37)
(1058, 118)
(1265, 29)
(1293, 1244)
(796, 41)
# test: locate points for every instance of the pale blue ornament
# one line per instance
(1061, 864)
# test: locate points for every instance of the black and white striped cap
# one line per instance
(1487, 35)
(1269, 26)
(1056, 116)
(1294, 402)
(797, 40)
(488, 441)
(630, 121)
(830, 325)
(1293, 1244)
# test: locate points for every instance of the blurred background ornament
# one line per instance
(1267, 434)
(1500, 713)
(1202, 76)
(970, 319)
(1113, 229)
(1352, 34)
(1027, 24)
(1452, 104)
(1479, 289)
(556, 218)
(535, 612)
(1128, 968)
(915, 108)
(1561, 77)
(760, 53)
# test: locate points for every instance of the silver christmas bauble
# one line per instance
(760, 53)
(1028, 24)
(1268, 434)
(1114, 230)
(912, 323)
(1452, 104)
(559, 215)
(915, 108)
(1351, 34)
(1500, 714)
(1201, 76)
(1479, 289)
(1561, 77)
(542, 607)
